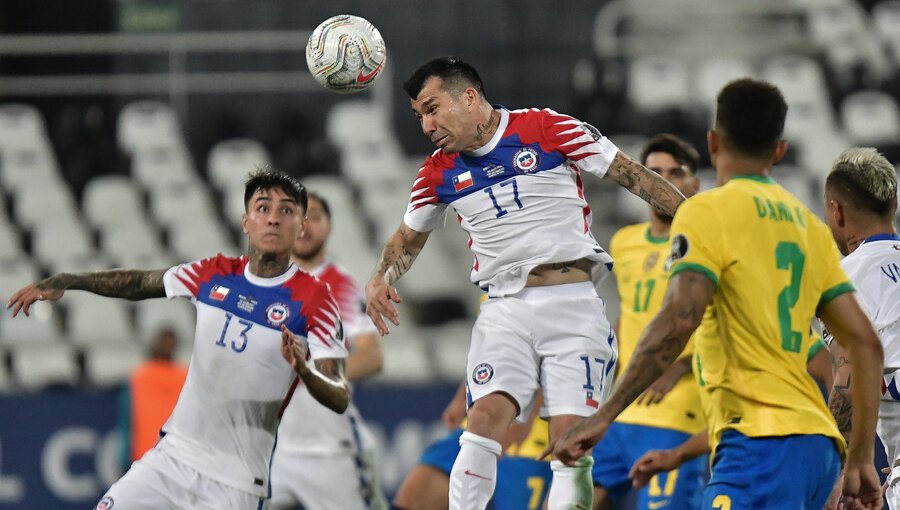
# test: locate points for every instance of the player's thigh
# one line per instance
(522, 483)
(772, 472)
(424, 488)
(330, 483)
(152, 483)
(610, 470)
(501, 356)
(578, 355)
(284, 475)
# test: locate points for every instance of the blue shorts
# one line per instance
(522, 483)
(442, 453)
(624, 444)
(789, 472)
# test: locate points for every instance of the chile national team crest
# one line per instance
(105, 504)
(277, 313)
(526, 160)
(482, 373)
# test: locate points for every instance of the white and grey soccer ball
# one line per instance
(346, 54)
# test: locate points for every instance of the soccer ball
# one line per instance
(345, 54)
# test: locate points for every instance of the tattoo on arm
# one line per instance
(839, 400)
(326, 383)
(130, 284)
(399, 253)
(645, 183)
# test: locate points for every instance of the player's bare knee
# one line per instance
(491, 415)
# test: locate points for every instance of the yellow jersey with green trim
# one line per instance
(773, 263)
(642, 280)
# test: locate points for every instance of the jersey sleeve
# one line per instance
(697, 240)
(425, 210)
(324, 330)
(580, 143)
(184, 280)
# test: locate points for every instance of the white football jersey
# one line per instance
(307, 426)
(874, 268)
(519, 197)
(226, 417)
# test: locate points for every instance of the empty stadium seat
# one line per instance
(715, 73)
(231, 161)
(871, 117)
(54, 242)
(130, 241)
(152, 315)
(51, 203)
(21, 126)
(111, 200)
(22, 167)
(658, 83)
(145, 124)
(199, 239)
(10, 242)
(800, 79)
(180, 203)
(357, 122)
(405, 358)
(163, 167)
(450, 344)
(92, 319)
(39, 365)
(40, 327)
(111, 365)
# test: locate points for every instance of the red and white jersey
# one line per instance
(519, 197)
(307, 426)
(226, 417)
(874, 268)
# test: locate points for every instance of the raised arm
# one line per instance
(399, 253)
(645, 183)
(133, 284)
(853, 330)
(325, 380)
(686, 298)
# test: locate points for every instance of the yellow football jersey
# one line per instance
(774, 263)
(642, 280)
(534, 444)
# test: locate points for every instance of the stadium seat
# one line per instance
(27, 168)
(800, 183)
(450, 344)
(178, 203)
(50, 203)
(808, 120)
(357, 122)
(52, 242)
(163, 167)
(130, 241)
(200, 239)
(152, 315)
(97, 320)
(39, 365)
(145, 124)
(714, 73)
(41, 326)
(871, 117)
(230, 161)
(405, 358)
(659, 83)
(800, 79)
(10, 242)
(817, 153)
(232, 200)
(111, 365)
(886, 19)
(112, 200)
(21, 126)
(826, 20)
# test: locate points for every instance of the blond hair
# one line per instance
(866, 178)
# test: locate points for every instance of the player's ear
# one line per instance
(244, 223)
(712, 142)
(780, 150)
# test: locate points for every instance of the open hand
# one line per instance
(293, 350)
(651, 463)
(26, 296)
(380, 299)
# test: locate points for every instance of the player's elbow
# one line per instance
(341, 402)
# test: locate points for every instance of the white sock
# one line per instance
(572, 487)
(474, 473)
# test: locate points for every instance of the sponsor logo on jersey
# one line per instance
(277, 313)
(650, 261)
(246, 303)
(680, 247)
(526, 160)
(493, 170)
(483, 373)
(105, 504)
(462, 181)
(218, 293)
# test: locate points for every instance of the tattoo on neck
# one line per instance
(267, 265)
(487, 129)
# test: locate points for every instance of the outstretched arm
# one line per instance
(686, 298)
(325, 380)
(133, 284)
(645, 183)
(399, 253)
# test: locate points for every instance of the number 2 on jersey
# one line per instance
(243, 334)
(515, 195)
(789, 256)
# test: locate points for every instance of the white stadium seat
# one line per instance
(111, 365)
(21, 125)
(231, 161)
(50, 203)
(152, 315)
(92, 319)
(40, 327)
(129, 241)
(22, 168)
(112, 199)
(871, 117)
(144, 124)
(161, 167)
(715, 73)
(39, 365)
(53, 243)
(659, 83)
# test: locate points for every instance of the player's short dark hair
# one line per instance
(750, 117)
(267, 179)
(312, 195)
(681, 151)
(455, 74)
(865, 179)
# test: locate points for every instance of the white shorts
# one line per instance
(889, 432)
(341, 482)
(159, 482)
(556, 338)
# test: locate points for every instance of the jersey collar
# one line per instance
(653, 239)
(758, 178)
(882, 237)
(270, 282)
(501, 128)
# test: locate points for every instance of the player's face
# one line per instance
(671, 170)
(446, 120)
(316, 230)
(273, 221)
